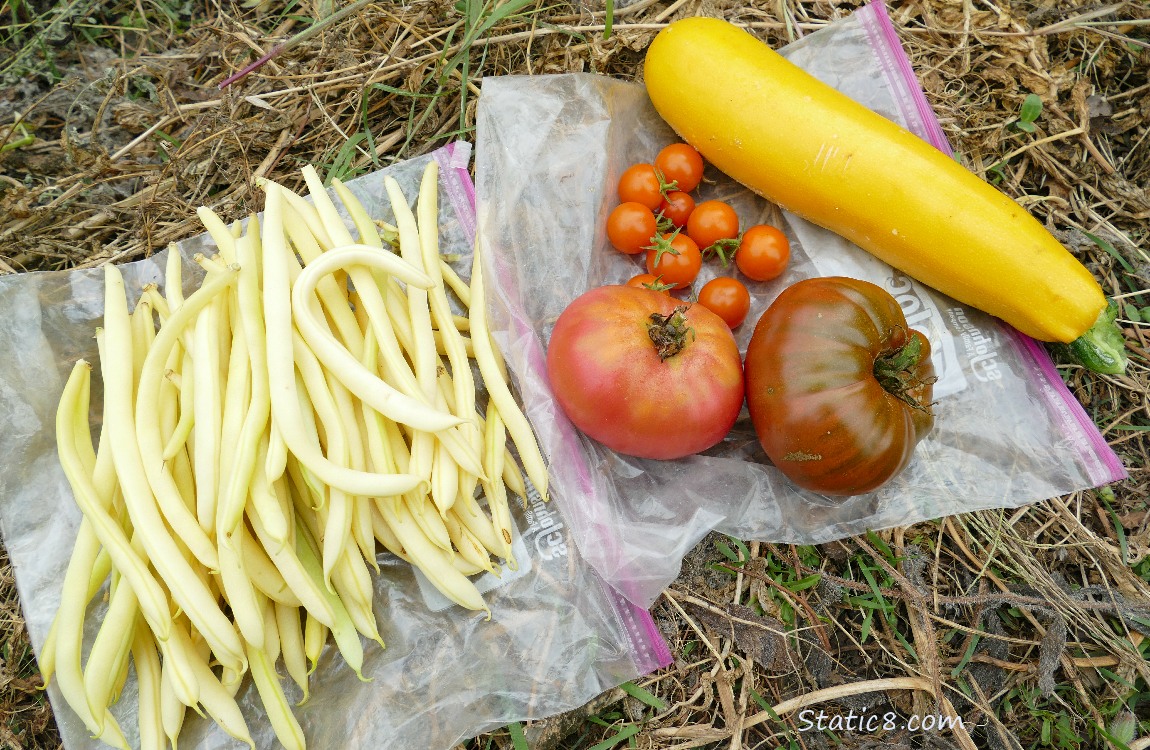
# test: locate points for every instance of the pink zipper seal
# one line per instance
(900, 77)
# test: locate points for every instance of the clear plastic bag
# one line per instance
(550, 151)
(557, 638)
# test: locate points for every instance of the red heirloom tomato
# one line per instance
(645, 374)
(838, 386)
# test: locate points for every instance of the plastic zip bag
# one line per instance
(550, 152)
(558, 636)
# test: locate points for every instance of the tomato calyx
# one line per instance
(658, 286)
(662, 244)
(723, 250)
(895, 372)
(664, 225)
(670, 333)
(664, 186)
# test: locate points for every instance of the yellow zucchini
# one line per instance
(816, 152)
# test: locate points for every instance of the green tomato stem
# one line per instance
(897, 363)
(724, 250)
(662, 244)
(895, 371)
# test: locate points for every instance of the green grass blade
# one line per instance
(626, 731)
(518, 737)
(508, 8)
(726, 551)
(882, 546)
(643, 696)
(966, 657)
(1111, 250)
(479, 23)
(804, 583)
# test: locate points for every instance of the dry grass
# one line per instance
(1031, 625)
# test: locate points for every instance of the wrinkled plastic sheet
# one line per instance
(558, 635)
(550, 150)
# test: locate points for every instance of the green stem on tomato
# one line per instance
(665, 188)
(658, 286)
(895, 371)
(662, 244)
(724, 250)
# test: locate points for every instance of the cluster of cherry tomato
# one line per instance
(657, 216)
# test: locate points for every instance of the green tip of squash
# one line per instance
(1101, 349)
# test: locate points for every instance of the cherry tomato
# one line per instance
(640, 184)
(649, 281)
(763, 252)
(712, 221)
(727, 298)
(645, 374)
(676, 258)
(677, 207)
(631, 227)
(682, 164)
(839, 387)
